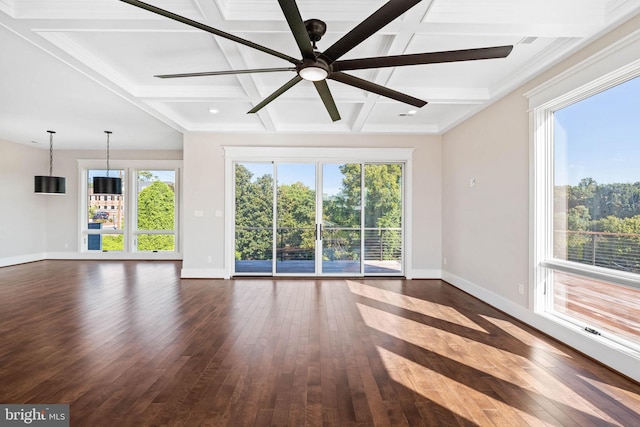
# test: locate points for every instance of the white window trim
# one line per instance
(311, 155)
(618, 63)
(131, 167)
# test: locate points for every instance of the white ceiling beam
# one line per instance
(398, 46)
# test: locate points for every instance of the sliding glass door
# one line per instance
(254, 218)
(341, 218)
(296, 231)
(318, 218)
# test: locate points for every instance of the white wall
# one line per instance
(35, 227)
(204, 191)
(23, 214)
(486, 227)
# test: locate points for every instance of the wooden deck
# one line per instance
(610, 308)
(131, 344)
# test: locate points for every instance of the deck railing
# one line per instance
(618, 251)
(379, 243)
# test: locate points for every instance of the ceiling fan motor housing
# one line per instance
(316, 29)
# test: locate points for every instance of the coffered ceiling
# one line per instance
(82, 67)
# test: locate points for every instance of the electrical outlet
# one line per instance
(444, 261)
(521, 288)
(209, 260)
(472, 182)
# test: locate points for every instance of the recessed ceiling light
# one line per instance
(214, 110)
(412, 112)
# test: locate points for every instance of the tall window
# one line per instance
(156, 206)
(106, 225)
(590, 254)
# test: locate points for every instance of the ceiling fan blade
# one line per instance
(288, 85)
(209, 29)
(224, 73)
(327, 99)
(292, 14)
(376, 88)
(423, 58)
(387, 13)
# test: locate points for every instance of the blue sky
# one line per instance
(599, 137)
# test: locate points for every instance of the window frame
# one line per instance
(131, 168)
(267, 154)
(598, 73)
(136, 232)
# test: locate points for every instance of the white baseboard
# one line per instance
(21, 259)
(620, 359)
(425, 274)
(203, 273)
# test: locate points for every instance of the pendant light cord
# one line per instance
(51, 152)
(108, 134)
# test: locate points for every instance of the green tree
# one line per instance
(296, 218)
(145, 176)
(383, 206)
(254, 215)
(612, 209)
(156, 207)
(620, 248)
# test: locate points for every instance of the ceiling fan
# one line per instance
(318, 66)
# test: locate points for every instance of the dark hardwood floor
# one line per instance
(130, 344)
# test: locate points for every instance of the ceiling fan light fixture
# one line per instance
(313, 71)
(314, 74)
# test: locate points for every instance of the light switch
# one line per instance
(218, 213)
(198, 213)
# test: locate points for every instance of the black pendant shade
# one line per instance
(43, 184)
(107, 185)
(50, 184)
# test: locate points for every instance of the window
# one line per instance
(106, 228)
(143, 219)
(156, 206)
(587, 208)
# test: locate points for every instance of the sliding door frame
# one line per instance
(234, 154)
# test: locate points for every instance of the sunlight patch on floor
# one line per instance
(427, 308)
(630, 399)
(523, 335)
(513, 369)
(450, 394)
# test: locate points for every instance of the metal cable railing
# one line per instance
(617, 251)
(382, 244)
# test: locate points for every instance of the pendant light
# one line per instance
(56, 185)
(106, 184)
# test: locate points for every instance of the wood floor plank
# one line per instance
(131, 344)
